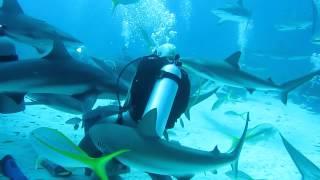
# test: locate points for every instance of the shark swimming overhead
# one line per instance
(18, 26)
(236, 13)
(58, 73)
(294, 26)
(151, 154)
(229, 73)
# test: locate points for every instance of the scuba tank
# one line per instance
(163, 94)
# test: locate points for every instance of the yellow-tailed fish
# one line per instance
(55, 146)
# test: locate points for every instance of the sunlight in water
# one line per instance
(243, 29)
(148, 20)
(186, 11)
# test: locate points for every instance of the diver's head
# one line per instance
(7, 51)
(167, 50)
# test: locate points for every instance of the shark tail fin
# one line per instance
(99, 164)
(293, 84)
(115, 4)
(238, 147)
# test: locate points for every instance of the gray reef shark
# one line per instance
(228, 73)
(307, 169)
(18, 26)
(58, 73)
(149, 153)
(237, 13)
(294, 26)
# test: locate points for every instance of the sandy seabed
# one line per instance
(265, 159)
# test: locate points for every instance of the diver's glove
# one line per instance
(10, 169)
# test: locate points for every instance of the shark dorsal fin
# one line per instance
(233, 60)
(270, 80)
(216, 150)
(58, 52)
(147, 125)
(11, 6)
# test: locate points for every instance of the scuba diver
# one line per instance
(159, 82)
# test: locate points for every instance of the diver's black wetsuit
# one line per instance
(148, 71)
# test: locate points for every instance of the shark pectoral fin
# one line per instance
(147, 125)
(233, 60)
(284, 97)
(187, 114)
(88, 99)
(11, 6)
(181, 122)
(58, 52)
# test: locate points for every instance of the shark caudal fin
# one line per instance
(55, 146)
(115, 3)
(293, 84)
(237, 150)
(307, 169)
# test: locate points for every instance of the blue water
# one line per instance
(190, 25)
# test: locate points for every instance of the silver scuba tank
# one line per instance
(163, 95)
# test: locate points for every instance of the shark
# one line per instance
(15, 24)
(236, 13)
(229, 73)
(58, 73)
(307, 169)
(150, 153)
(294, 26)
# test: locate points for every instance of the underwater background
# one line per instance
(196, 32)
